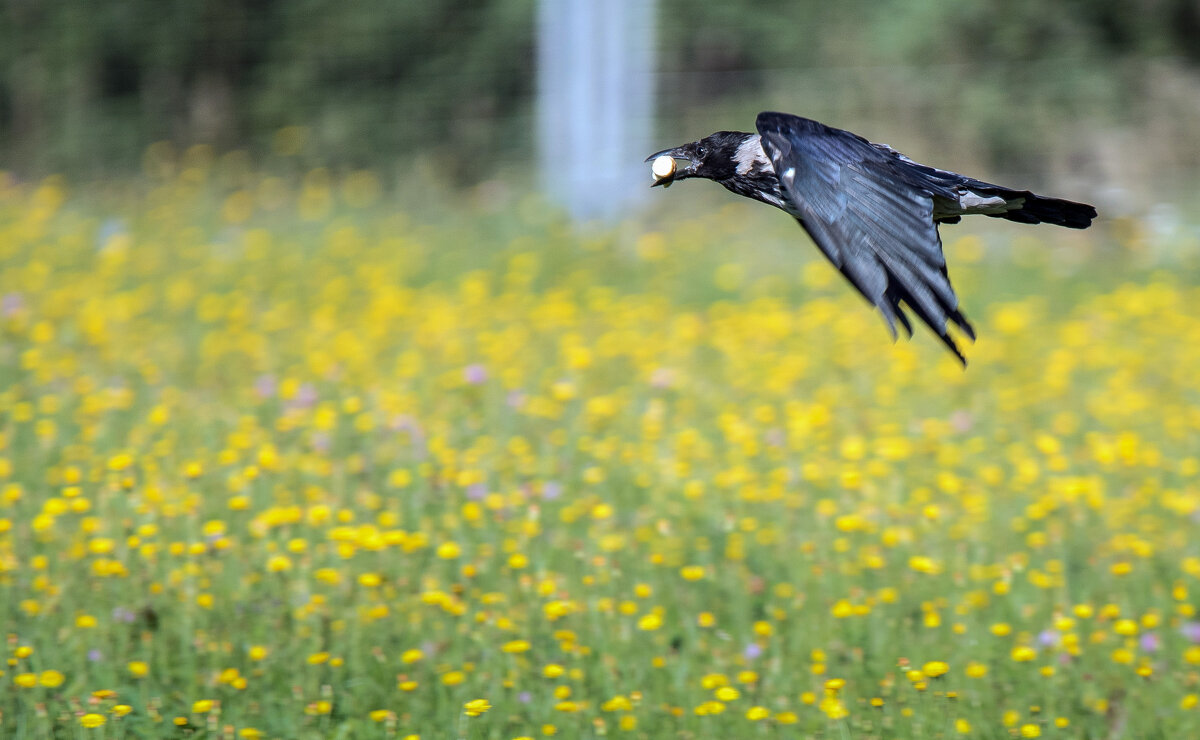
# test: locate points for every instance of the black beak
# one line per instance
(679, 152)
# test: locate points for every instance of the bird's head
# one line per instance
(715, 157)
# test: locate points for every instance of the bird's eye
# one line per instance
(701, 151)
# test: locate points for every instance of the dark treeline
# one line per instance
(85, 86)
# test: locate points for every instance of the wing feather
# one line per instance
(870, 215)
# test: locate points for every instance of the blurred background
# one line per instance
(1096, 98)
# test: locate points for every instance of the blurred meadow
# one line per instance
(280, 459)
(306, 433)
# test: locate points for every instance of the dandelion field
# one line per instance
(278, 459)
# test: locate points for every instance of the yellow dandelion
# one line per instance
(650, 622)
(25, 680)
(515, 646)
(1023, 654)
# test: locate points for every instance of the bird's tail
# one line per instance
(1030, 208)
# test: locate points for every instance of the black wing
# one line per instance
(870, 215)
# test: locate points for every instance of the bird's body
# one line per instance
(872, 211)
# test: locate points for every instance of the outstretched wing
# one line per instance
(870, 216)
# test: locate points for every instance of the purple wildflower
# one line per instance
(264, 386)
(12, 304)
(306, 396)
(1190, 631)
(1048, 638)
(321, 442)
(1149, 642)
(475, 374)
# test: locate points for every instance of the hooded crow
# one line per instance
(871, 210)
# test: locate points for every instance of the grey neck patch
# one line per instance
(750, 157)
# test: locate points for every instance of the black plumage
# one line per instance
(872, 211)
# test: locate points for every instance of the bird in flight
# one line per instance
(871, 210)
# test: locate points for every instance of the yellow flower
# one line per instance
(92, 720)
(51, 679)
(757, 713)
(1029, 730)
(935, 668)
(121, 710)
(476, 707)
(203, 706)
(515, 646)
(25, 680)
(650, 622)
(1023, 654)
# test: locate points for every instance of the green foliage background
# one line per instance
(84, 86)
